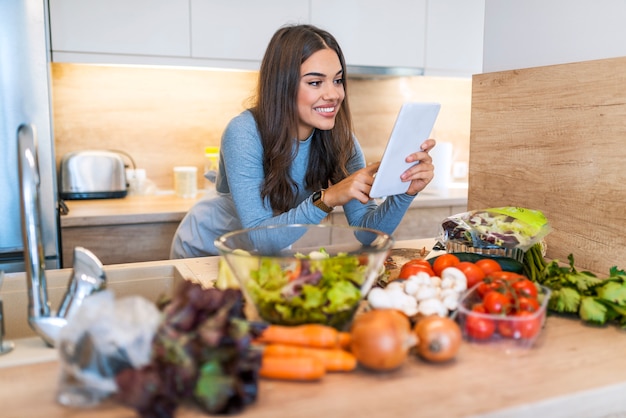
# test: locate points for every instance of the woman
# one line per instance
(292, 158)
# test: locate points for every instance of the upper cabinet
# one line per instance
(534, 33)
(454, 37)
(442, 37)
(143, 28)
(239, 30)
(391, 34)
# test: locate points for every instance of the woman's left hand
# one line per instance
(420, 174)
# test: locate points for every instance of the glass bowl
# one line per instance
(507, 332)
(298, 274)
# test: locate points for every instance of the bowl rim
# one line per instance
(223, 249)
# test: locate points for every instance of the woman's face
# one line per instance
(320, 92)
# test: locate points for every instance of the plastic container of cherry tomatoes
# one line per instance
(511, 331)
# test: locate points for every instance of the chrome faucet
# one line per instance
(88, 275)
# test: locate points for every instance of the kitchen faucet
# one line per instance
(88, 274)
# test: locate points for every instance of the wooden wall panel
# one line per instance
(554, 138)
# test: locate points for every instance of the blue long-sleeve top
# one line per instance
(239, 203)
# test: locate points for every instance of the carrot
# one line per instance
(308, 335)
(334, 359)
(292, 368)
(344, 340)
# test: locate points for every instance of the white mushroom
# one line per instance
(411, 287)
(409, 306)
(426, 292)
(435, 281)
(451, 301)
(379, 299)
(452, 277)
(432, 306)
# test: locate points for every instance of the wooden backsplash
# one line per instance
(553, 138)
(165, 116)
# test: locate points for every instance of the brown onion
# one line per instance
(381, 339)
(438, 338)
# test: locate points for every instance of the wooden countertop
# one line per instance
(168, 207)
(573, 371)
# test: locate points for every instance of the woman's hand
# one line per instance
(420, 174)
(356, 186)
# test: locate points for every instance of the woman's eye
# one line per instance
(314, 83)
(339, 81)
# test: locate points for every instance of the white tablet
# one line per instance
(413, 126)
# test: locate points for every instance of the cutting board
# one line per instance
(554, 138)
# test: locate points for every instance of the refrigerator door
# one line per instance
(25, 99)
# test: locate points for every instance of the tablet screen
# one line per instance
(413, 125)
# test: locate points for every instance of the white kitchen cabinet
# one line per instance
(371, 33)
(139, 27)
(535, 33)
(441, 37)
(454, 37)
(239, 30)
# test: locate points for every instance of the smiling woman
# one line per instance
(292, 157)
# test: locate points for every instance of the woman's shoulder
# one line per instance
(244, 120)
(241, 132)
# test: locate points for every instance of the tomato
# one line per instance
(473, 273)
(479, 307)
(526, 324)
(419, 262)
(444, 261)
(527, 304)
(504, 275)
(497, 303)
(488, 265)
(479, 328)
(409, 270)
(506, 328)
(525, 287)
(488, 285)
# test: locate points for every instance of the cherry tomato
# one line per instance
(409, 270)
(497, 303)
(419, 262)
(488, 265)
(479, 307)
(489, 284)
(506, 328)
(444, 261)
(473, 273)
(525, 287)
(527, 324)
(504, 275)
(527, 304)
(479, 328)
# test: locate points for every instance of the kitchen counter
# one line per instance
(167, 207)
(141, 228)
(573, 371)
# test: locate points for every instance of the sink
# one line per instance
(150, 281)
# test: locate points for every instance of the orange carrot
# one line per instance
(308, 335)
(292, 368)
(344, 340)
(334, 359)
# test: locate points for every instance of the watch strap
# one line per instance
(319, 202)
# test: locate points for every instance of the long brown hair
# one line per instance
(276, 115)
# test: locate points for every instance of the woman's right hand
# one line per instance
(355, 186)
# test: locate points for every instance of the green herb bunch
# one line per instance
(595, 300)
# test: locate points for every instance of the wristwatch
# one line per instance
(318, 201)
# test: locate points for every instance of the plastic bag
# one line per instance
(103, 337)
(503, 227)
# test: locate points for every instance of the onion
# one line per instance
(381, 339)
(438, 338)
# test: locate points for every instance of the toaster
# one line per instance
(92, 174)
